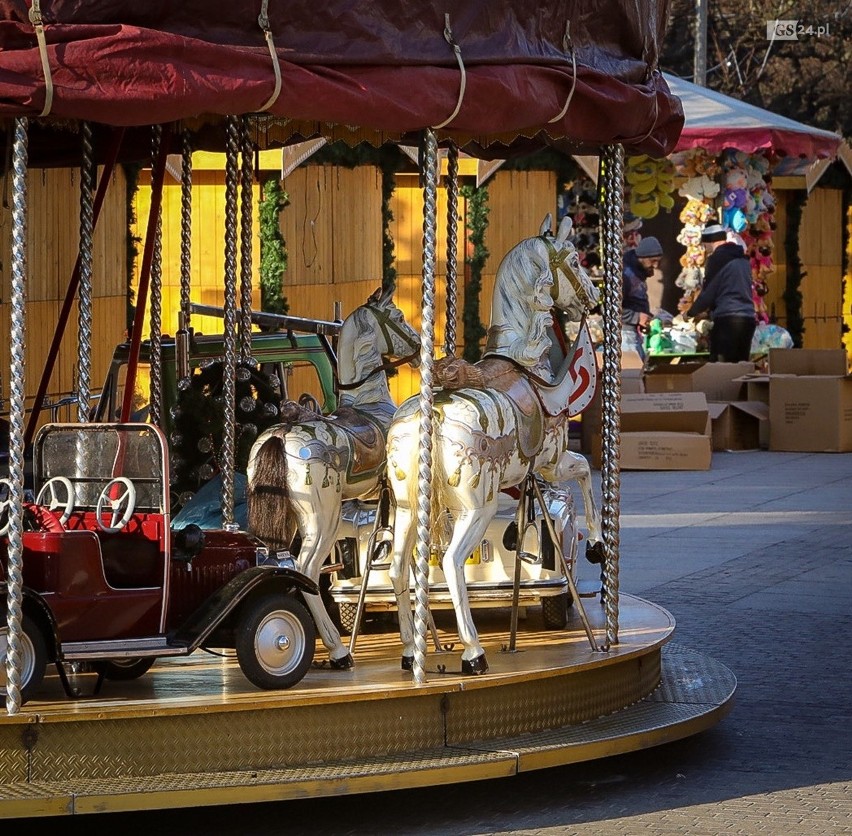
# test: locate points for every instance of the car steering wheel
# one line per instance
(127, 498)
(50, 492)
(34, 515)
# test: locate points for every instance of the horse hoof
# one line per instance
(595, 552)
(344, 663)
(407, 663)
(474, 667)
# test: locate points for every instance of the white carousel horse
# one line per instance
(508, 419)
(300, 471)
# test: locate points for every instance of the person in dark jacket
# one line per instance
(726, 296)
(639, 266)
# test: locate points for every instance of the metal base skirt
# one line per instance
(193, 732)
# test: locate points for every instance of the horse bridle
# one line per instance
(387, 327)
(558, 260)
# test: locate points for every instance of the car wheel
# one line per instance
(275, 642)
(123, 670)
(347, 614)
(554, 610)
(33, 653)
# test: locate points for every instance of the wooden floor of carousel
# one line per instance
(194, 732)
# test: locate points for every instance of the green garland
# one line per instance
(273, 247)
(477, 222)
(792, 294)
(132, 242)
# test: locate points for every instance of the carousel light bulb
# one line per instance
(243, 374)
(274, 382)
(185, 497)
(205, 444)
(250, 430)
(205, 472)
(247, 404)
(176, 439)
(176, 412)
(270, 409)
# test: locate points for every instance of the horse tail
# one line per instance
(267, 495)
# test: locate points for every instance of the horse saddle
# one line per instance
(366, 441)
(501, 375)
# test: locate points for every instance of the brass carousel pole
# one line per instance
(611, 186)
(427, 349)
(18, 300)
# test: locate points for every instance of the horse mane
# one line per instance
(519, 330)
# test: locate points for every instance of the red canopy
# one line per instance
(383, 66)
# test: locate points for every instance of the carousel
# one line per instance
(152, 665)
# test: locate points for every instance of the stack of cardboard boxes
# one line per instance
(673, 415)
(808, 393)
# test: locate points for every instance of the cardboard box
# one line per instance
(684, 412)
(590, 422)
(718, 381)
(757, 391)
(808, 361)
(660, 451)
(737, 425)
(810, 413)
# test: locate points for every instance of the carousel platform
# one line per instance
(194, 732)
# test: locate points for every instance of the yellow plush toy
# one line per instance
(650, 183)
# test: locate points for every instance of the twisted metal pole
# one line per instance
(185, 226)
(452, 247)
(612, 203)
(246, 178)
(84, 291)
(427, 350)
(18, 300)
(227, 454)
(183, 370)
(155, 312)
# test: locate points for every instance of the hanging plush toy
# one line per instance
(650, 183)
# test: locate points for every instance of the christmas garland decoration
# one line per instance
(792, 294)
(132, 242)
(273, 247)
(477, 222)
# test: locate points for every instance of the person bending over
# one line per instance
(726, 297)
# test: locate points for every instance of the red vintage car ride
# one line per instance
(107, 582)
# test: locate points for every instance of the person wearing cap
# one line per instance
(726, 297)
(639, 266)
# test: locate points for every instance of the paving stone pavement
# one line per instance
(754, 560)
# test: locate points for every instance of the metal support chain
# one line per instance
(227, 453)
(155, 311)
(452, 248)
(612, 203)
(18, 300)
(246, 178)
(185, 226)
(427, 350)
(84, 291)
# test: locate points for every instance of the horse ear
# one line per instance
(385, 296)
(546, 225)
(564, 230)
(375, 296)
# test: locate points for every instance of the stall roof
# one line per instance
(715, 121)
(363, 72)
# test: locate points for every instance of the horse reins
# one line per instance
(559, 261)
(386, 326)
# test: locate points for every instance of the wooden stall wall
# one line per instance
(821, 253)
(53, 241)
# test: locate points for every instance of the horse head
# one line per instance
(572, 290)
(397, 339)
